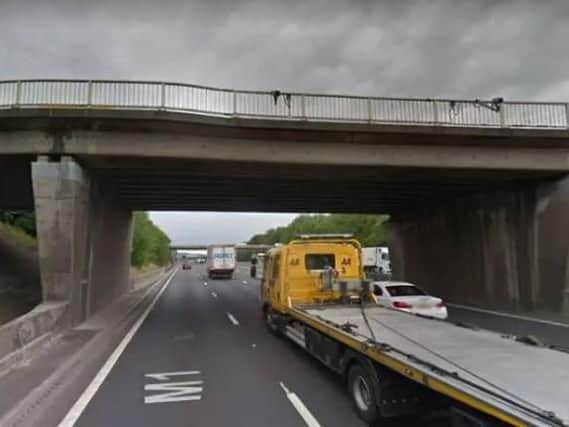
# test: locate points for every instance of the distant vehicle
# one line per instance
(186, 265)
(408, 297)
(260, 265)
(253, 267)
(221, 261)
(376, 260)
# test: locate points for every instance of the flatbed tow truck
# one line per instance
(396, 364)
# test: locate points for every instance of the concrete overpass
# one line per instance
(238, 246)
(477, 190)
(243, 251)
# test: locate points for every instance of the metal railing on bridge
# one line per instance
(176, 97)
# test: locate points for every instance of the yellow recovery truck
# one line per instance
(397, 364)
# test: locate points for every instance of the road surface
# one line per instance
(550, 332)
(203, 357)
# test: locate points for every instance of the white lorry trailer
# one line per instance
(376, 260)
(221, 260)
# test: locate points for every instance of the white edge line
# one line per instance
(300, 407)
(511, 316)
(232, 319)
(81, 403)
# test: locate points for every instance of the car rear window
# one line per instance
(404, 291)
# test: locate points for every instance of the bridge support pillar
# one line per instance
(507, 250)
(553, 243)
(110, 247)
(62, 193)
(83, 238)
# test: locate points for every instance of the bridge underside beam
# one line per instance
(251, 186)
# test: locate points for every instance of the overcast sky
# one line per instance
(468, 49)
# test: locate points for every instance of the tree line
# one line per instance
(150, 245)
(25, 221)
(370, 230)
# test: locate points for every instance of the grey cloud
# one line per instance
(216, 227)
(424, 48)
(416, 48)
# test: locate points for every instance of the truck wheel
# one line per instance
(362, 391)
(269, 321)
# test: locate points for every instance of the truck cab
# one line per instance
(311, 269)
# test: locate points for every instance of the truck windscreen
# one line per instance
(319, 261)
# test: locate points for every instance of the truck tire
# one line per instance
(269, 321)
(362, 391)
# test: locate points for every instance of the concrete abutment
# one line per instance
(503, 250)
(83, 238)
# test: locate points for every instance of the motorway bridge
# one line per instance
(477, 190)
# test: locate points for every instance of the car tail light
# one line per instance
(441, 305)
(401, 304)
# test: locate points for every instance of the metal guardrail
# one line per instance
(175, 97)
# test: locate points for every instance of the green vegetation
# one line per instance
(18, 235)
(150, 245)
(24, 221)
(370, 230)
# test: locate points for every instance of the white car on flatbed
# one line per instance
(408, 297)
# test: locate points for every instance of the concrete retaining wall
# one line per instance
(48, 317)
(24, 330)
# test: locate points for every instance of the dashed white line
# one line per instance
(81, 403)
(233, 319)
(511, 316)
(213, 294)
(300, 407)
(244, 282)
(205, 283)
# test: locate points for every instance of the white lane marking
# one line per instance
(81, 403)
(306, 415)
(233, 319)
(213, 294)
(511, 316)
(174, 391)
(205, 283)
(244, 282)
(163, 376)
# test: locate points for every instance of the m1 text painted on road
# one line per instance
(167, 391)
